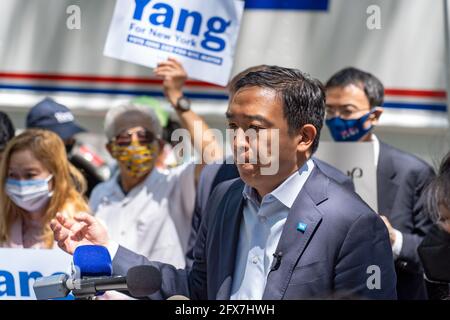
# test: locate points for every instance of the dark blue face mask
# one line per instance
(348, 130)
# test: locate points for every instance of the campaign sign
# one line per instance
(19, 268)
(357, 160)
(201, 34)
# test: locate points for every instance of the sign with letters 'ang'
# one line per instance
(19, 268)
(201, 34)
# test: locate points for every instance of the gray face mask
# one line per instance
(30, 195)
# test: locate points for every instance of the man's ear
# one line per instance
(308, 134)
(376, 114)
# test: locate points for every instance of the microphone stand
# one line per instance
(88, 287)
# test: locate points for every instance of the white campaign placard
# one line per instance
(201, 34)
(357, 160)
(20, 267)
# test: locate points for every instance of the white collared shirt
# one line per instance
(154, 218)
(376, 149)
(260, 231)
(398, 243)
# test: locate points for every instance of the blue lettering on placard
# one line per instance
(8, 287)
(196, 23)
(173, 49)
(163, 15)
(216, 25)
(24, 279)
(162, 19)
(139, 10)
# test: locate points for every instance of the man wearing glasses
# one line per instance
(354, 101)
(145, 209)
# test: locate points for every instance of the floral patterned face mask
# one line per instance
(138, 159)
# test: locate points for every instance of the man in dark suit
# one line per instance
(215, 173)
(354, 101)
(289, 234)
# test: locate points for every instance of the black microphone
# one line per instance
(87, 288)
(143, 281)
(277, 261)
(140, 281)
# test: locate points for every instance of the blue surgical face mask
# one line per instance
(30, 195)
(348, 130)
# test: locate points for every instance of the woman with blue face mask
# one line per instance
(36, 182)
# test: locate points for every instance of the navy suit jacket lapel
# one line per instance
(386, 186)
(229, 226)
(293, 242)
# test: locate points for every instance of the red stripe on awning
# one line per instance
(191, 83)
(416, 93)
(98, 79)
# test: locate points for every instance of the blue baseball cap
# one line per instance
(55, 117)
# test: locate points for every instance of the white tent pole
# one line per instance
(447, 54)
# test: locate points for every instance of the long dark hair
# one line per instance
(438, 191)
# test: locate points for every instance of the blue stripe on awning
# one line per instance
(153, 93)
(193, 95)
(416, 106)
(312, 5)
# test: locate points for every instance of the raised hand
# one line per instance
(83, 229)
(174, 76)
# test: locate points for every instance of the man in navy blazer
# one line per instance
(292, 234)
(215, 173)
(354, 105)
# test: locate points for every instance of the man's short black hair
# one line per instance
(303, 97)
(7, 130)
(372, 86)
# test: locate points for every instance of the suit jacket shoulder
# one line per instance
(335, 174)
(402, 161)
(328, 258)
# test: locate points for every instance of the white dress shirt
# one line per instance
(260, 231)
(398, 243)
(154, 218)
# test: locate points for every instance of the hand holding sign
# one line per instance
(174, 76)
(201, 34)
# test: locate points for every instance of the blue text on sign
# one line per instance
(162, 14)
(8, 287)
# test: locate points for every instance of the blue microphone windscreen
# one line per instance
(92, 261)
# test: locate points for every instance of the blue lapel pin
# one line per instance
(301, 227)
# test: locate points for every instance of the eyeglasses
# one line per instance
(144, 137)
(343, 112)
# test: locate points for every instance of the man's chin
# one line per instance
(249, 170)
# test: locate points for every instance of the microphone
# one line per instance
(178, 297)
(92, 261)
(277, 261)
(140, 281)
(144, 280)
